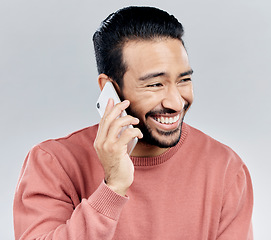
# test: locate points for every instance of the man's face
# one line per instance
(158, 84)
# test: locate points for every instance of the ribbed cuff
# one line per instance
(107, 202)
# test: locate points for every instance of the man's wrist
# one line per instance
(117, 189)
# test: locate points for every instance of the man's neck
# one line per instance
(146, 150)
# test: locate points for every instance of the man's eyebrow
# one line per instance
(189, 72)
(158, 74)
(152, 75)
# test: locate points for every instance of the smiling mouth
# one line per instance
(167, 120)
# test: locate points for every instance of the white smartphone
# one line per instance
(110, 92)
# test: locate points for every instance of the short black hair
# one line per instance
(130, 23)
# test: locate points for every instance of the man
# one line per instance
(178, 183)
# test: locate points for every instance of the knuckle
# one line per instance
(116, 122)
(131, 117)
(98, 147)
(118, 107)
(105, 119)
(105, 146)
(96, 144)
(129, 131)
(138, 130)
(114, 148)
(108, 147)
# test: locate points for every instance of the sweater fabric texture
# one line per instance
(198, 189)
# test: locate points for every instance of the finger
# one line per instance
(111, 114)
(109, 106)
(116, 110)
(128, 134)
(119, 123)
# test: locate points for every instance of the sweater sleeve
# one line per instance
(235, 220)
(44, 206)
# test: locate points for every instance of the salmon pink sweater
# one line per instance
(199, 189)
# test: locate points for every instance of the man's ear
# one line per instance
(102, 79)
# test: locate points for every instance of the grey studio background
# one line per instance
(48, 85)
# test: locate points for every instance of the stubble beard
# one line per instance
(150, 139)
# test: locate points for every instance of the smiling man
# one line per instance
(158, 81)
(178, 182)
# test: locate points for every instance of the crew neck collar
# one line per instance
(152, 161)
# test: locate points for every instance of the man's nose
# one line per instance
(173, 99)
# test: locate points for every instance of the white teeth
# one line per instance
(176, 118)
(166, 120)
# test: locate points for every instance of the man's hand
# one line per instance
(112, 148)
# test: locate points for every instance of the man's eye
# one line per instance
(155, 85)
(185, 80)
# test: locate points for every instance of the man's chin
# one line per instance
(162, 139)
(161, 143)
